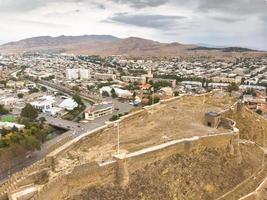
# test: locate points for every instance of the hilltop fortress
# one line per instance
(192, 147)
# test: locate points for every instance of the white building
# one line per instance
(103, 76)
(218, 85)
(68, 104)
(84, 74)
(44, 103)
(139, 79)
(10, 125)
(73, 74)
(252, 87)
(119, 92)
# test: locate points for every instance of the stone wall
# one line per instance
(55, 189)
(13, 182)
(251, 125)
(259, 194)
(109, 172)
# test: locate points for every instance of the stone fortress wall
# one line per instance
(118, 169)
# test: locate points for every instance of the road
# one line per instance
(14, 74)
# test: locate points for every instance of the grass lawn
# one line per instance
(8, 119)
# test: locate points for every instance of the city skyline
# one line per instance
(228, 23)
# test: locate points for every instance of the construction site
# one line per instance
(200, 147)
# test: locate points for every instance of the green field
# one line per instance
(8, 119)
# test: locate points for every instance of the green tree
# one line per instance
(134, 95)
(91, 87)
(42, 120)
(105, 94)
(176, 93)
(113, 93)
(153, 99)
(43, 89)
(34, 90)
(30, 142)
(258, 111)
(76, 88)
(76, 97)
(114, 118)
(29, 112)
(233, 87)
(20, 95)
(3, 110)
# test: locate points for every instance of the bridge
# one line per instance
(60, 123)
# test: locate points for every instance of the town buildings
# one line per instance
(99, 110)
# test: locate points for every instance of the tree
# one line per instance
(3, 110)
(91, 87)
(113, 93)
(114, 118)
(134, 95)
(258, 111)
(42, 120)
(233, 87)
(105, 94)
(29, 112)
(76, 88)
(34, 90)
(153, 99)
(44, 89)
(76, 97)
(30, 142)
(176, 93)
(20, 95)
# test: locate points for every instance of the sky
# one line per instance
(216, 22)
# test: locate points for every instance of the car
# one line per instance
(116, 109)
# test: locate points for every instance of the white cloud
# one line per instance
(235, 22)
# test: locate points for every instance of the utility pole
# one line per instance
(118, 137)
(152, 95)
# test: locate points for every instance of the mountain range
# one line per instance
(106, 45)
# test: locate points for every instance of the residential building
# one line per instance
(119, 92)
(73, 74)
(99, 110)
(102, 76)
(44, 103)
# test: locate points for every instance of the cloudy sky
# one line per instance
(218, 22)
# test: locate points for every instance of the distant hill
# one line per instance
(106, 45)
(226, 49)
